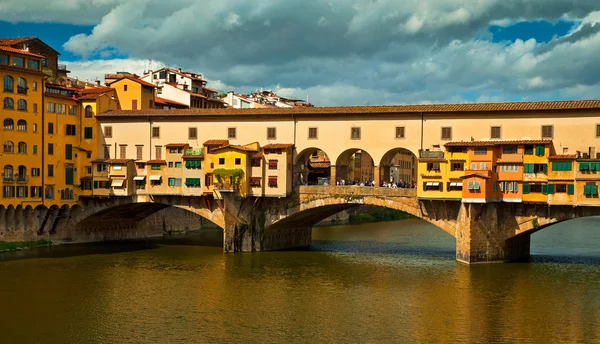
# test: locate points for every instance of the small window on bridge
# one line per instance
(399, 132)
(221, 161)
(495, 132)
(447, 133)
(561, 188)
(355, 133)
(312, 133)
(457, 166)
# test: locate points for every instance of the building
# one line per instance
(49, 62)
(262, 99)
(403, 168)
(22, 155)
(133, 93)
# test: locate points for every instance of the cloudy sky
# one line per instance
(336, 52)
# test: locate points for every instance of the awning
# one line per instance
(192, 181)
(139, 177)
(453, 184)
(117, 183)
(459, 184)
(435, 184)
(155, 177)
(429, 184)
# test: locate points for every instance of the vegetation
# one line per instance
(228, 176)
(377, 215)
(15, 246)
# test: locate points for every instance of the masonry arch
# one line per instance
(399, 165)
(311, 166)
(9, 218)
(355, 166)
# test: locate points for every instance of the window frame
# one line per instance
(269, 136)
(230, 131)
(449, 137)
(551, 129)
(316, 136)
(355, 130)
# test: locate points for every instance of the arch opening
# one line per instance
(399, 166)
(355, 166)
(312, 166)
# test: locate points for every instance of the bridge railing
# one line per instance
(356, 190)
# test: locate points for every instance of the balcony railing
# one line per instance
(431, 154)
(226, 187)
(194, 152)
(21, 178)
(21, 90)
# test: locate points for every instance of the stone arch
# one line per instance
(9, 218)
(18, 217)
(29, 219)
(2, 219)
(532, 222)
(310, 164)
(355, 164)
(311, 212)
(399, 164)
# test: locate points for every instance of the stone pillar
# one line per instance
(377, 175)
(385, 172)
(332, 175)
(481, 238)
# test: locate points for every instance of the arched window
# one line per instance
(21, 173)
(9, 84)
(22, 146)
(9, 103)
(9, 147)
(22, 105)
(66, 194)
(88, 111)
(22, 125)
(22, 86)
(49, 191)
(9, 124)
(8, 172)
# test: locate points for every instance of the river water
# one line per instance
(394, 282)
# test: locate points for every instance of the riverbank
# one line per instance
(25, 245)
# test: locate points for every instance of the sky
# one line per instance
(333, 52)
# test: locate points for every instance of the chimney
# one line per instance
(97, 82)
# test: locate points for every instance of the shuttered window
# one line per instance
(155, 132)
(192, 133)
(69, 176)
(255, 181)
(495, 133)
(355, 133)
(312, 133)
(272, 164)
(571, 189)
(547, 131)
(231, 133)
(271, 133)
(562, 166)
(446, 133)
(272, 182)
(87, 132)
(68, 151)
(526, 189)
(399, 132)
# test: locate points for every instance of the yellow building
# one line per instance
(22, 117)
(133, 93)
(232, 168)
(535, 170)
(433, 174)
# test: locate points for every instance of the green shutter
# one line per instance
(95, 184)
(525, 188)
(571, 189)
(187, 164)
(556, 166)
(528, 168)
(69, 176)
(545, 189)
(594, 190)
(87, 133)
(107, 185)
(568, 166)
(550, 189)
(545, 168)
(34, 149)
(584, 166)
(68, 152)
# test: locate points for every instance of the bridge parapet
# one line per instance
(356, 190)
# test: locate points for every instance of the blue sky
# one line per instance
(338, 53)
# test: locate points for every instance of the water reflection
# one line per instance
(386, 282)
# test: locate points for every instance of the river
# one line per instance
(393, 282)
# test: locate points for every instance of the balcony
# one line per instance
(226, 187)
(197, 153)
(21, 90)
(8, 177)
(431, 154)
(21, 178)
(62, 67)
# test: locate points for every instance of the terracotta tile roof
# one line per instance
(320, 164)
(96, 90)
(432, 160)
(85, 178)
(209, 90)
(563, 157)
(216, 142)
(159, 100)
(496, 143)
(118, 161)
(177, 145)
(22, 70)
(258, 155)
(277, 146)
(477, 175)
(19, 51)
(236, 147)
(99, 161)
(139, 81)
(195, 94)
(15, 40)
(156, 162)
(374, 110)
(192, 157)
(91, 96)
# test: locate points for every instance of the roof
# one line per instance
(15, 40)
(209, 89)
(216, 142)
(236, 147)
(19, 51)
(372, 110)
(320, 164)
(139, 81)
(476, 175)
(91, 96)
(159, 100)
(85, 178)
(496, 143)
(258, 155)
(156, 162)
(176, 145)
(118, 161)
(277, 146)
(563, 157)
(99, 161)
(96, 90)
(432, 160)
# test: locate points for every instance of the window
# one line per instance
(507, 187)
(174, 182)
(69, 175)
(192, 133)
(221, 161)
(355, 133)
(70, 130)
(454, 186)
(509, 168)
(102, 167)
(88, 154)
(50, 170)
(547, 131)
(3, 59)
(561, 188)
(125, 88)
(51, 107)
(8, 191)
(49, 191)
(535, 188)
(474, 186)
(106, 151)
(399, 132)
(21, 125)
(312, 133)
(255, 162)
(72, 110)
(432, 186)
(108, 131)
(8, 172)
(162, 75)
(177, 164)
(511, 149)
(35, 85)
(495, 132)
(457, 166)
(238, 161)
(170, 164)
(22, 105)
(272, 164)
(482, 166)
(9, 103)
(155, 167)
(155, 132)
(35, 172)
(255, 182)
(50, 148)
(35, 107)
(480, 151)
(22, 148)
(271, 133)
(35, 191)
(528, 149)
(590, 189)
(9, 124)
(540, 168)
(272, 182)
(597, 130)
(60, 108)
(138, 152)
(18, 61)
(50, 128)
(68, 152)
(33, 64)
(158, 151)
(9, 84)
(88, 132)
(446, 133)
(123, 151)
(88, 112)
(231, 133)
(562, 166)
(433, 166)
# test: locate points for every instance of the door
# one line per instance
(134, 104)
